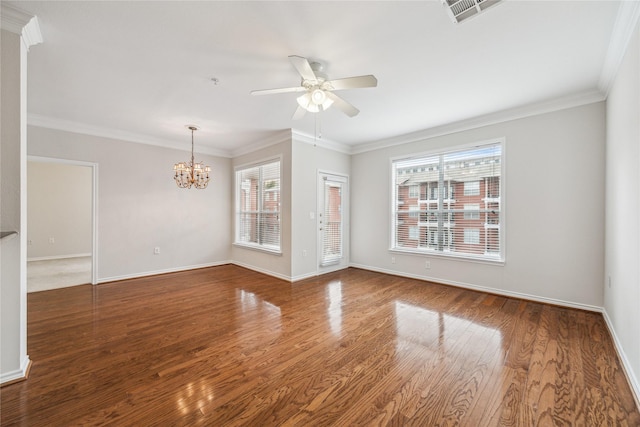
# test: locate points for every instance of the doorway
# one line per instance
(61, 224)
(333, 222)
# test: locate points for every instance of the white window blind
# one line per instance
(459, 203)
(258, 206)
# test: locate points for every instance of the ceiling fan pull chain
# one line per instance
(317, 131)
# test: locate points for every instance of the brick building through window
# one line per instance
(450, 202)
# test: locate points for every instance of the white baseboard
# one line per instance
(18, 374)
(263, 271)
(496, 291)
(48, 258)
(627, 368)
(157, 272)
(291, 279)
(304, 276)
(626, 365)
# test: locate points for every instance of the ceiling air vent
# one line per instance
(459, 10)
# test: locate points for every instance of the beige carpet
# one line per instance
(58, 273)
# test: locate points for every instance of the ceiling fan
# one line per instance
(318, 89)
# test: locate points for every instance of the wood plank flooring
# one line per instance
(225, 346)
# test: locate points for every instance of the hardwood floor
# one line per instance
(225, 346)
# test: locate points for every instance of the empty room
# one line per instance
(320, 213)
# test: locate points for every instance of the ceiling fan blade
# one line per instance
(300, 112)
(281, 90)
(304, 68)
(354, 82)
(342, 105)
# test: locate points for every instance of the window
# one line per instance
(472, 236)
(462, 215)
(414, 191)
(472, 188)
(258, 206)
(414, 233)
(433, 195)
(471, 211)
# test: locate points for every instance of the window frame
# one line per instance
(260, 202)
(489, 257)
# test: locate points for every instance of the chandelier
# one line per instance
(191, 173)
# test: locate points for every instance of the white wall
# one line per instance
(58, 206)
(140, 207)
(307, 161)
(553, 201)
(622, 266)
(269, 263)
(10, 287)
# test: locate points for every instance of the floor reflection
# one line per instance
(334, 310)
(194, 396)
(258, 319)
(249, 301)
(444, 333)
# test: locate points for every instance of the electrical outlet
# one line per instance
(52, 240)
(393, 260)
(30, 242)
(427, 264)
(156, 250)
(304, 252)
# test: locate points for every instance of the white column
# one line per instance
(18, 31)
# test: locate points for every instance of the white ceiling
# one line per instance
(142, 70)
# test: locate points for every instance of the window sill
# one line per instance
(266, 249)
(450, 256)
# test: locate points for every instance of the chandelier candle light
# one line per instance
(191, 173)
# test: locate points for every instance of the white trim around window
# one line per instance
(258, 215)
(464, 207)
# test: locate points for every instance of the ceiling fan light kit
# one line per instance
(319, 91)
(315, 101)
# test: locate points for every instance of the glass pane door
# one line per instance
(331, 219)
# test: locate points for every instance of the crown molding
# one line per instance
(548, 106)
(85, 129)
(623, 28)
(31, 34)
(20, 22)
(285, 135)
(324, 143)
(13, 19)
(277, 138)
